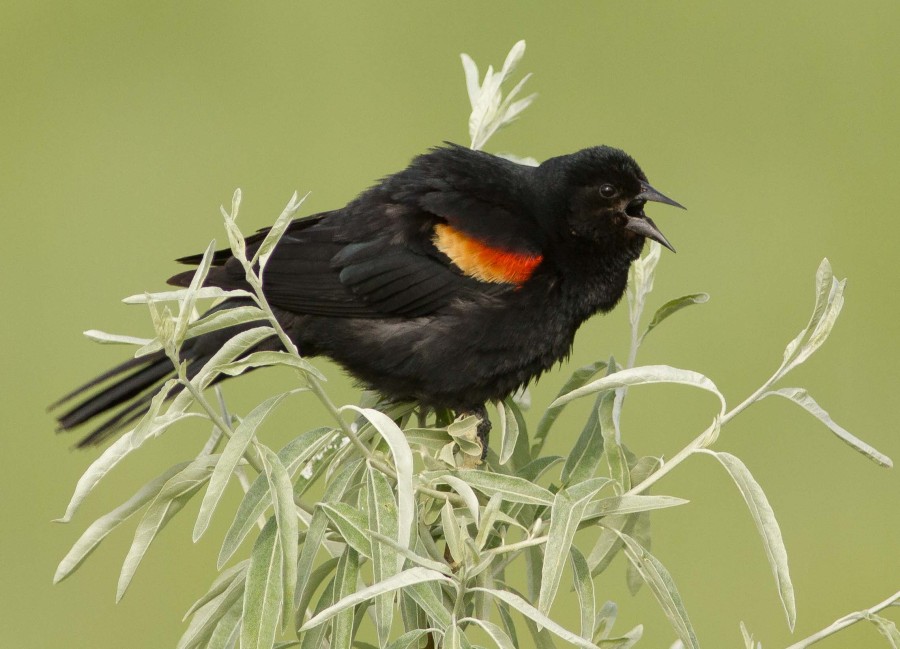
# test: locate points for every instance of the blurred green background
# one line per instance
(124, 125)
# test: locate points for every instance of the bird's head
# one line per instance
(606, 191)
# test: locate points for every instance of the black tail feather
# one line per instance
(134, 391)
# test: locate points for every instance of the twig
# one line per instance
(844, 622)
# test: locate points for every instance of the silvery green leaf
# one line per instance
(207, 292)
(410, 555)
(497, 634)
(534, 470)
(565, 515)
(512, 59)
(171, 498)
(473, 85)
(606, 619)
(608, 543)
(887, 628)
(314, 579)
(227, 631)
(616, 459)
(823, 328)
(641, 283)
(236, 345)
(641, 376)
(382, 509)
(511, 488)
(345, 580)
(432, 439)
(641, 533)
(316, 638)
(464, 432)
(765, 521)
(235, 238)
(236, 572)
(351, 524)
(118, 450)
(210, 614)
(410, 639)
(263, 591)
(232, 454)
(747, 636)
(430, 601)
(273, 236)
(265, 359)
(801, 398)
(509, 431)
(452, 535)
(465, 491)
(539, 618)
(403, 461)
(579, 377)
(663, 587)
(584, 458)
(295, 454)
(629, 504)
(488, 518)
(584, 590)
(225, 318)
(400, 580)
(455, 639)
(626, 641)
(98, 530)
(282, 493)
(186, 304)
(673, 306)
(115, 339)
(824, 287)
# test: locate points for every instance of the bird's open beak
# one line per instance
(643, 225)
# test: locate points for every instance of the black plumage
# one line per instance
(451, 283)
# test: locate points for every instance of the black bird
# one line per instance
(451, 283)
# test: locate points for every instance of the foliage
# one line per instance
(412, 535)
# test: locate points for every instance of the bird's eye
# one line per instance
(608, 191)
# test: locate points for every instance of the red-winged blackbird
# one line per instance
(451, 283)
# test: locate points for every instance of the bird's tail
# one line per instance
(124, 392)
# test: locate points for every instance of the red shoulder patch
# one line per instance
(483, 262)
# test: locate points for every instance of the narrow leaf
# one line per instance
(641, 376)
(382, 509)
(801, 398)
(539, 618)
(98, 530)
(232, 454)
(171, 498)
(511, 488)
(115, 339)
(764, 518)
(663, 587)
(674, 306)
(584, 590)
(282, 492)
(400, 580)
(565, 516)
(579, 377)
(403, 461)
(509, 432)
(263, 591)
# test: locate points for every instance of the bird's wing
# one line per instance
(439, 231)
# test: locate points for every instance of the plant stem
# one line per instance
(700, 441)
(844, 622)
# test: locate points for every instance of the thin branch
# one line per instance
(846, 621)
